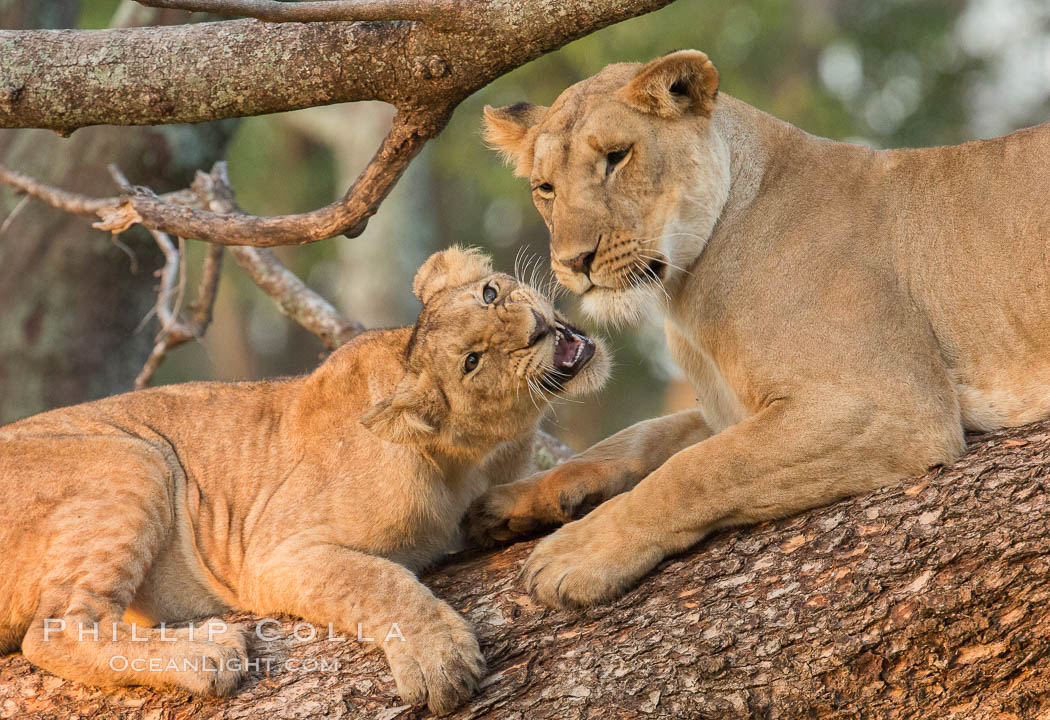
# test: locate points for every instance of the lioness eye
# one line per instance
(489, 294)
(615, 158)
(545, 188)
(471, 363)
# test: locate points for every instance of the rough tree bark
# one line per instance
(66, 79)
(927, 599)
(71, 304)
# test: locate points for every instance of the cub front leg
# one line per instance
(576, 486)
(434, 658)
(785, 459)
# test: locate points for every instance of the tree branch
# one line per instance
(926, 599)
(292, 296)
(67, 79)
(212, 193)
(434, 12)
(174, 330)
(73, 203)
(348, 216)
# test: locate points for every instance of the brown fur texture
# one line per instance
(844, 314)
(180, 502)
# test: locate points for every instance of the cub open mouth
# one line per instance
(572, 351)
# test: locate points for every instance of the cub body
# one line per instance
(316, 496)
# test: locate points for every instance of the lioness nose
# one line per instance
(581, 263)
(541, 329)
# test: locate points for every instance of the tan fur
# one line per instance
(188, 500)
(843, 313)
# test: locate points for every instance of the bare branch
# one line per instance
(169, 275)
(347, 216)
(74, 203)
(291, 294)
(439, 14)
(69, 202)
(236, 68)
(174, 330)
(213, 192)
(294, 298)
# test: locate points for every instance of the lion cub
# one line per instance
(316, 496)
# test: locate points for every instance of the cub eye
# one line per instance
(489, 294)
(615, 158)
(471, 363)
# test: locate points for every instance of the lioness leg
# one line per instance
(432, 652)
(105, 511)
(571, 489)
(782, 460)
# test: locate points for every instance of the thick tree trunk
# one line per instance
(927, 599)
(71, 303)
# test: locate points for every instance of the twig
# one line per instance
(434, 12)
(169, 275)
(348, 216)
(174, 330)
(74, 203)
(175, 215)
(213, 192)
(19, 207)
(294, 299)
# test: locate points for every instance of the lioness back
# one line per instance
(843, 313)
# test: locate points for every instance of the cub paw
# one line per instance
(217, 630)
(500, 515)
(507, 512)
(438, 663)
(222, 669)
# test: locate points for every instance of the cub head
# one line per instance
(628, 175)
(485, 357)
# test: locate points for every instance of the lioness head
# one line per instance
(486, 355)
(627, 174)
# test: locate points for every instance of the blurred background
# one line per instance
(888, 74)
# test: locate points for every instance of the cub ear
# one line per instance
(448, 269)
(674, 85)
(505, 129)
(410, 415)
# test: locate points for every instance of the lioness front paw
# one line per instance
(587, 562)
(439, 663)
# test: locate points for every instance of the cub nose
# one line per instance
(581, 263)
(540, 330)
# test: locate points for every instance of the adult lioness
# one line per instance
(187, 500)
(843, 313)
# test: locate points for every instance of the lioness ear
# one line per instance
(449, 268)
(505, 129)
(674, 85)
(410, 415)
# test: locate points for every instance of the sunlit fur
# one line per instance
(843, 314)
(317, 496)
(659, 204)
(440, 406)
